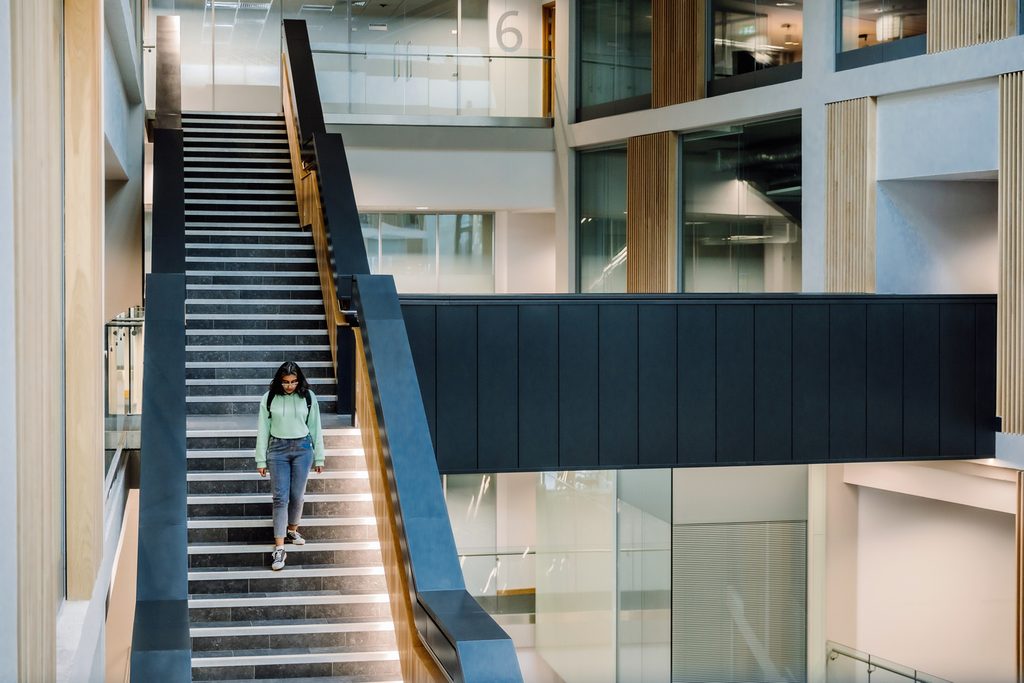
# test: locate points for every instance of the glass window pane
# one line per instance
(615, 50)
(370, 223)
(750, 35)
(602, 223)
(742, 197)
(247, 56)
(409, 250)
(871, 22)
(466, 253)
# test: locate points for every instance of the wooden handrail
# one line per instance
(417, 664)
(311, 214)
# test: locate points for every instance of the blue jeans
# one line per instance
(289, 461)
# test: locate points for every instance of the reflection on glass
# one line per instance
(576, 564)
(247, 54)
(870, 22)
(446, 58)
(750, 35)
(615, 50)
(601, 240)
(742, 197)
(644, 581)
(123, 382)
(197, 37)
(432, 252)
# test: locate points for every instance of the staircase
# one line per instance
(253, 302)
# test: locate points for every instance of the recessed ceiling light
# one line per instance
(422, 208)
(378, 27)
(785, 4)
(359, 3)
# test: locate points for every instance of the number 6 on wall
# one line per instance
(501, 31)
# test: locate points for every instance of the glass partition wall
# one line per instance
(601, 232)
(742, 208)
(432, 252)
(872, 31)
(614, 57)
(749, 38)
(411, 58)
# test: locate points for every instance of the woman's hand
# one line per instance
(318, 469)
(262, 471)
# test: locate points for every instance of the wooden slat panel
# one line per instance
(678, 51)
(35, 71)
(311, 213)
(651, 220)
(850, 197)
(954, 24)
(1010, 304)
(83, 291)
(417, 664)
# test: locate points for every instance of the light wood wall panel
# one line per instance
(678, 51)
(84, 195)
(38, 321)
(954, 24)
(652, 213)
(850, 196)
(1010, 304)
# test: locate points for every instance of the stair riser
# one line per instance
(279, 641)
(380, 610)
(301, 238)
(307, 558)
(213, 220)
(268, 322)
(228, 253)
(264, 534)
(262, 374)
(276, 285)
(309, 306)
(353, 463)
(276, 153)
(248, 443)
(313, 485)
(264, 511)
(240, 389)
(300, 272)
(242, 408)
(299, 338)
(359, 584)
(295, 670)
(242, 356)
(230, 292)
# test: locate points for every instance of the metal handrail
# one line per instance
(836, 649)
(428, 54)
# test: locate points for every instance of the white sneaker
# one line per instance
(278, 556)
(295, 537)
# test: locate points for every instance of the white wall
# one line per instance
(937, 237)
(391, 179)
(950, 130)
(935, 586)
(524, 249)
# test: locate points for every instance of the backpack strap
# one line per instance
(309, 403)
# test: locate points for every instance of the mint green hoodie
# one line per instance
(289, 421)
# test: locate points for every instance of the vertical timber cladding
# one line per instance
(35, 69)
(850, 196)
(651, 213)
(954, 24)
(1010, 303)
(83, 292)
(678, 51)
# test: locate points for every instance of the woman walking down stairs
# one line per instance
(253, 302)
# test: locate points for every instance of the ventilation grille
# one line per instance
(739, 596)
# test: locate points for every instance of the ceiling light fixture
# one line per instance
(785, 4)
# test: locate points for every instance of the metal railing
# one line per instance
(847, 665)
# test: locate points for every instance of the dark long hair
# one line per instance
(289, 368)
